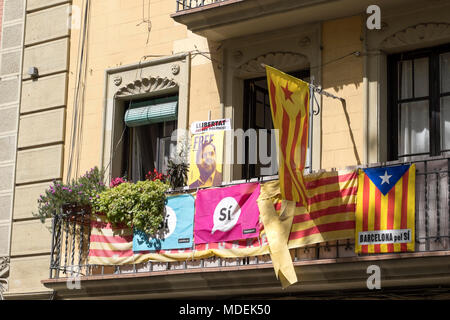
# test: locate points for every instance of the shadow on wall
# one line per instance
(347, 117)
(342, 72)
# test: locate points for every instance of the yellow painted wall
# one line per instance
(118, 35)
(122, 32)
(114, 39)
(343, 78)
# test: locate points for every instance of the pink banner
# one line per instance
(227, 214)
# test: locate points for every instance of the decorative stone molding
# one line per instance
(304, 42)
(238, 55)
(117, 80)
(417, 34)
(148, 79)
(175, 69)
(146, 85)
(286, 61)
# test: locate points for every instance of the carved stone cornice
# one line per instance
(417, 34)
(286, 61)
(146, 85)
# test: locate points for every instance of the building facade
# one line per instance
(72, 70)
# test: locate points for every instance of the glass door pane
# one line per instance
(167, 150)
(445, 123)
(421, 81)
(413, 128)
(444, 68)
(405, 75)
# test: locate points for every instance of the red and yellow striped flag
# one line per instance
(289, 101)
(330, 214)
(385, 211)
(113, 245)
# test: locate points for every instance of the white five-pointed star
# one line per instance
(385, 178)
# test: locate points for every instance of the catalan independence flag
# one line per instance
(385, 211)
(289, 101)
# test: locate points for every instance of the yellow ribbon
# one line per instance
(277, 227)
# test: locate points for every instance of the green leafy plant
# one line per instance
(139, 205)
(78, 193)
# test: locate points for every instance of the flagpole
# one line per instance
(315, 88)
(327, 94)
(312, 90)
(310, 129)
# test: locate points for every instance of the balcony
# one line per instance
(323, 268)
(218, 20)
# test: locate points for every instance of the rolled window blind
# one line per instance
(152, 111)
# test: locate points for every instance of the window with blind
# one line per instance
(419, 102)
(147, 136)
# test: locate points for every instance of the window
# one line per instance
(419, 102)
(257, 115)
(147, 136)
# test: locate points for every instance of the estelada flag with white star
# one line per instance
(385, 210)
(289, 102)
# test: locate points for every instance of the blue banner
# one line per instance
(177, 229)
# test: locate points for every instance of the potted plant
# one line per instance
(71, 199)
(178, 168)
(138, 205)
(178, 173)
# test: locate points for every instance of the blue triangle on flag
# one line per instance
(386, 177)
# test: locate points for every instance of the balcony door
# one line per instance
(257, 115)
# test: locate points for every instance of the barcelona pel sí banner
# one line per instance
(177, 228)
(205, 161)
(385, 210)
(227, 214)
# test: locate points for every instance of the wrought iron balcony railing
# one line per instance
(190, 4)
(70, 242)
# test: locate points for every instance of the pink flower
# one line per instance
(117, 181)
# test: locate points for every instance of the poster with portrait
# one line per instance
(206, 154)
